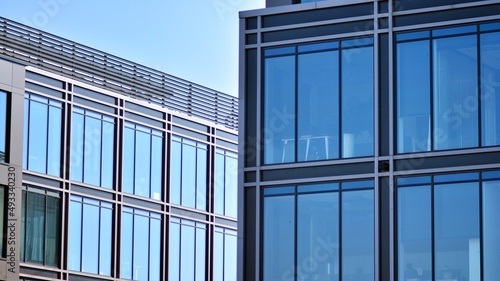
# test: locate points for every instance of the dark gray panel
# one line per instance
(191, 134)
(250, 233)
(94, 104)
(94, 94)
(73, 277)
(93, 192)
(143, 119)
(189, 214)
(383, 71)
(251, 23)
(318, 171)
(42, 89)
(385, 230)
(226, 222)
(190, 124)
(404, 5)
(250, 176)
(318, 15)
(227, 144)
(145, 110)
(40, 180)
(418, 163)
(226, 135)
(250, 108)
(458, 14)
(39, 272)
(274, 3)
(141, 203)
(44, 79)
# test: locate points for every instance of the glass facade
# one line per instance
(188, 173)
(90, 234)
(3, 216)
(445, 227)
(3, 126)
(92, 147)
(320, 231)
(225, 254)
(42, 135)
(187, 259)
(226, 183)
(318, 101)
(446, 89)
(40, 226)
(142, 161)
(141, 245)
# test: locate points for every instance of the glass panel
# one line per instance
(54, 142)
(491, 230)
(25, 133)
(454, 30)
(126, 251)
(200, 255)
(105, 237)
(52, 239)
(187, 252)
(38, 141)
(230, 258)
(490, 87)
(456, 232)
(231, 200)
(75, 236)
(317, 226)
(90, 239)
(414, 233)
(92, 162)
(188, 176)
(279, 110)
(142, 163)
(141, 248)
(174, 252)
(455, 92)
(77, 143)
(201, 179)
(175, 173)
(220, 183)
(318, 46)
(35, 228)
(278, 238)
(358, 250)
(218, 267)
(23, 221)
(156, 167)
(3, 124)
(413, 101)
(108, 148)
(128, 160)
(456, 177)
(155, 250)
(357, 102)
(318, 106)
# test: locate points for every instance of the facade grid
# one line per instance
(99, 184)
(369, 141)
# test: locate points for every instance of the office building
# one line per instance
(111, 170)
(370, 141)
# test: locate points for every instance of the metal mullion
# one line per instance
(28, 136)
(150, 163)
(181, 172)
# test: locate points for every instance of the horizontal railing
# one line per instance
(30, 46)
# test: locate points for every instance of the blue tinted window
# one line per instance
(188, 250)
(491, 230)
(90, 236)
(188, 170)
(141, 243)
(226, 183)
(224, 254)
(92, 147)
(3, 125)
(40, 227)
(42, 139)
(490, 71)
(142, 165)
(319, 105)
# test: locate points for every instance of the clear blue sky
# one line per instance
(192, 39)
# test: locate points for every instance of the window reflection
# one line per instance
(224, 254)
(490, 88)
(90, 236)
(333, 88)
(226, 183)
(188, 173)
(187, 250)
(142, 161)
(319, 232)
(92, 147)
(42, 135)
